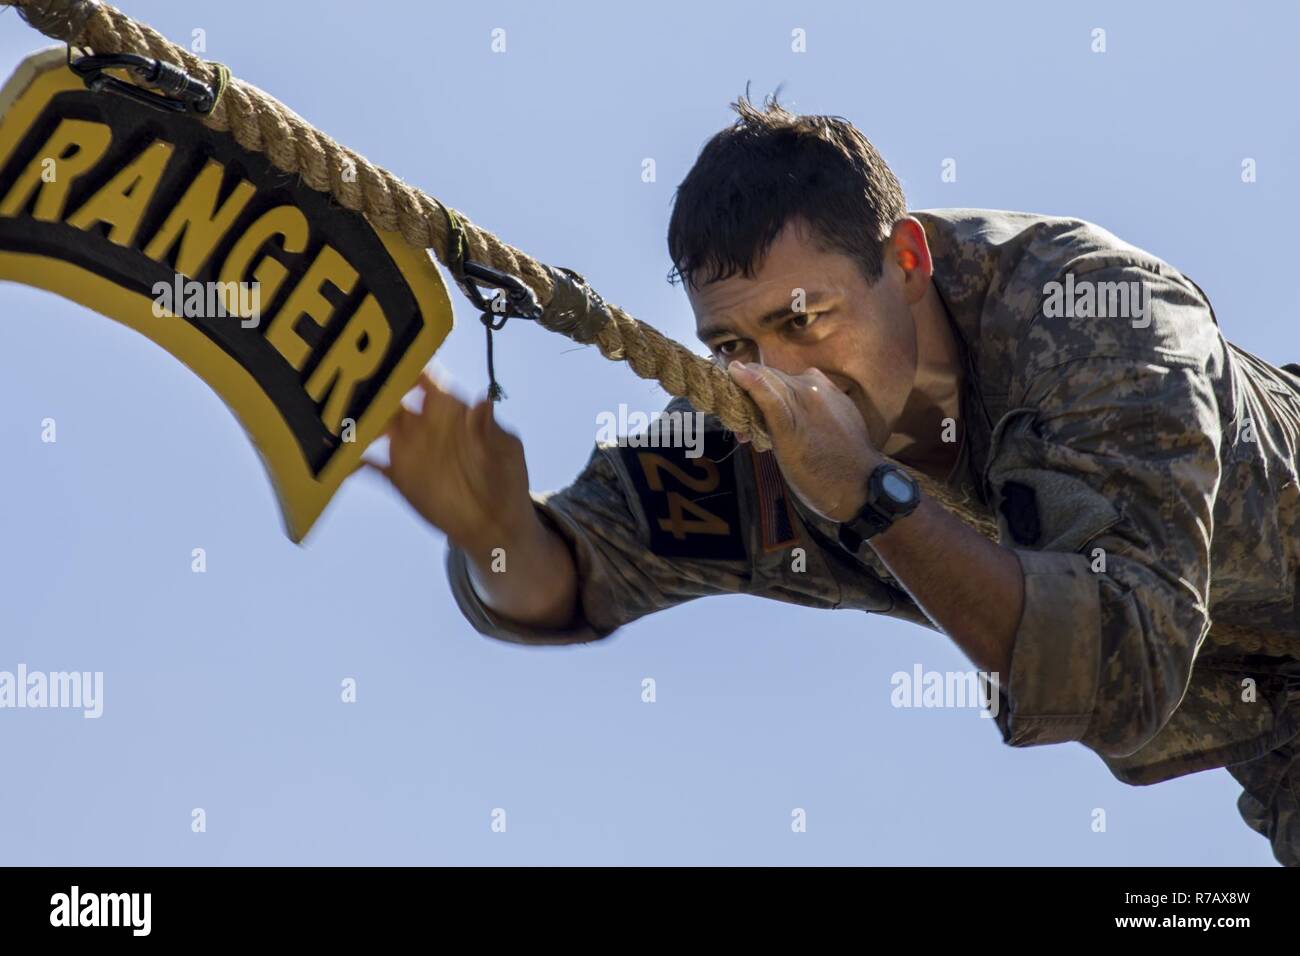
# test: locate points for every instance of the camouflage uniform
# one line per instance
(1143, 471)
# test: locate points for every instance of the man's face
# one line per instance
(861, 336)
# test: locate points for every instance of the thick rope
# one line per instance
(262, 124)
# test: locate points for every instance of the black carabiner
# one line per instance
(519, 302)
(522, 301)
(181, 93)
(515, 299)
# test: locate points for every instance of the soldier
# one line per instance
(1141, 594)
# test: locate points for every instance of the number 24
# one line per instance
(704, 522)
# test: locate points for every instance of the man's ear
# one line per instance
(908, 252)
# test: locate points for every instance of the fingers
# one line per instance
(481, 420)
(401, 423)
(448, 428)
(434, 419)
(483, 425)
(480, 425)
(397, 430)
(504, 448)
(366, 465)
(817, 378)
(769, 390)
(440, 410)
(429, 387)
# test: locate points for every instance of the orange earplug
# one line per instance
(907, 259)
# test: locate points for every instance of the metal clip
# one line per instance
(520, 302)
(181, 92)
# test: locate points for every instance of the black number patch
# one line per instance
(691, 504)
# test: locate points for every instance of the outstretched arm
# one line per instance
(467, 477)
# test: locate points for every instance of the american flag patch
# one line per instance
(773, 503)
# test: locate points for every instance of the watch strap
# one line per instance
(871, 520)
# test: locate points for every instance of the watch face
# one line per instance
(897, 487)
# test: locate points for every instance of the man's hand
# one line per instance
(819, 437)
(467, 477)
(459, 469)
(826, 455)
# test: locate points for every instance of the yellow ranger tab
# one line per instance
(114, 205)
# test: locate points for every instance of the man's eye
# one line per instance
(802, 320)
(728, 347)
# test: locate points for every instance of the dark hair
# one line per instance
(771, 166)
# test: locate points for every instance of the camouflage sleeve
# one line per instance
(1105, 478)
(620, 577)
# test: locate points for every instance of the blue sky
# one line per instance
(222, 689)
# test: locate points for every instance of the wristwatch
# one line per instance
(891, 494)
